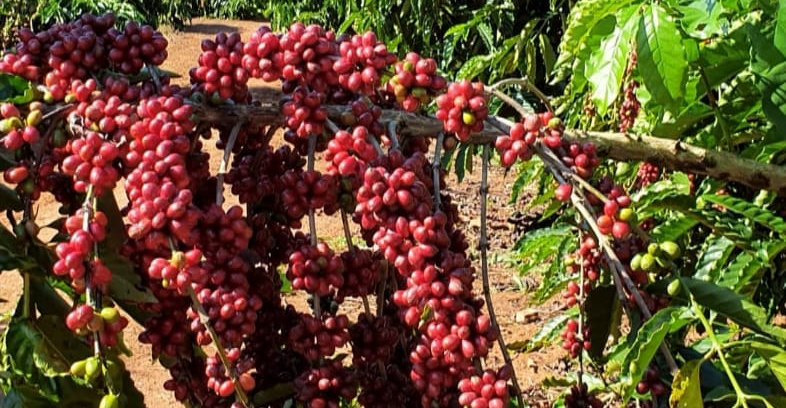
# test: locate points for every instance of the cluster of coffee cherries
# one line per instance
(304, 112)
(91, 163)
(107, 324)
(462, 109)
(647, 174)
(580, 397)
(16, 130)
(487, 390)
(157, 186)
(261, 57)
(362, 268)
(374, 339)
(630, 108)
(317, 338)
(316, 269)
(220, 69)
(180, 271)
(73, 256)
(65, 52)
(326, 386)
(308, 56)
(518, 143)
(135, 46)
(302, 191)
(651, 383)
(572, 342)
(363, 60)
(415, 82)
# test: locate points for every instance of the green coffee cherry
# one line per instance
(647, 262)
(34, 117)
(78, 368)
(674, 287)
(555, 123)
(622, 169)
(109, 401)
(110, 314)
(59, 138)
(468, 118)
(92, 368)
(652, 249)
(635, 262)
(671, 249)
(627, 215)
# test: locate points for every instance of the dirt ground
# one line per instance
(518, 319)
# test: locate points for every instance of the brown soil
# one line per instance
(508, 299)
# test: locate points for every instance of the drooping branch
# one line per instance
(666, 153)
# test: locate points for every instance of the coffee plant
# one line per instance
(669, 271)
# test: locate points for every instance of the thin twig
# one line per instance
(392, 125)
(347, 233)
(484, 268)
(87, 210)
(222, 169)
(312, 223)
(222, 355)
(714, 105)
(154, 75)
(436, 164)
(581, 316)
(494, 89)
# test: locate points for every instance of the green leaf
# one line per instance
(274, 393)
(645, 345)
(58, 348)
(15, 89)
(609, 62)
(733, 306)
(458, 166)
(549, 331)
(115, 229)
(602, 310)
(686, 387)
(126, 284)
(661, 56)
(749, 211)
(547, 52)
(780, 27)
(772, 83)
(584, 15)
(701, 19)
(714, 255)
(473, 67)
(742, 273)
(9, 199)
(486, 35)
(672, 229)
(775, 357)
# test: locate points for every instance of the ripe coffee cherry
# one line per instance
(563, 192)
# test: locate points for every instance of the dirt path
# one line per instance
(149, 376)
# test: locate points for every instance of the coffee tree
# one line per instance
(88, 116)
